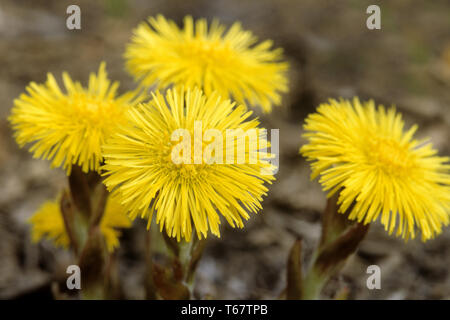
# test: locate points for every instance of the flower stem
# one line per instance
(313, 284)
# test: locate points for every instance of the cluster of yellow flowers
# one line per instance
(358, 149)
(130, 142)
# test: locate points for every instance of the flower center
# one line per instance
(389, 155)
(174, 165)
(205, 52)
(94, 111)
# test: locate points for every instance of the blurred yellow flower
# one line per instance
(69, 128)
(48, 223)
(229, 62)
(144, 175)
(363, 152)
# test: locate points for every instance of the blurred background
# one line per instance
(332, 54)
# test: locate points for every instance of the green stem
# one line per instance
(81, 230)
(313, 284)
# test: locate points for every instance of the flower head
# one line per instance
(48, 223)
(364, 153)
(228, 62)
(143, 167)
(70, 127)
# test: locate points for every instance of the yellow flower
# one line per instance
(143, 168)
(69, 128)
(228, 62)
(364, 153)
(48, 223)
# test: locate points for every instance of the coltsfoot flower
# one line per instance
(69, 127)
(363, 152)
(144, 174)
(48, 223)
(230, 62)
